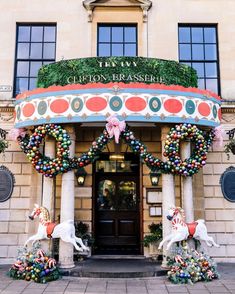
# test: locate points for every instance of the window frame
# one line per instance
(32, 24)
(111, 25)
(204, 61)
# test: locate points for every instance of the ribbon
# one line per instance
(115, 127)
(179, 259)
(15, 133)
(218, 131)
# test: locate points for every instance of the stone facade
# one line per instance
(77, 37)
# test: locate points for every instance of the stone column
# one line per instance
(67, 206)
(48, 185)
(187, 186)
(168, 196)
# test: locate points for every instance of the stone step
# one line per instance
(116, 268)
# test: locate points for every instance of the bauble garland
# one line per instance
(62, 163)
(34, 265)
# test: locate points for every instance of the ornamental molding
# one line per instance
(6, 114)
(90, 5)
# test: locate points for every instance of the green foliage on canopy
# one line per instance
(117, 69)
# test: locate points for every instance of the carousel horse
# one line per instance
(183, 231)
(48, 229)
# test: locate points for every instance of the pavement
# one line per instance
(153, 285)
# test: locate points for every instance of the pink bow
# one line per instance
(218, 136)
(15, 133)
(114, 127)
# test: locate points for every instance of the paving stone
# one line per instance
(202, 291)
(177, 289)
(115, 291)
(34, 291)
(217, 289)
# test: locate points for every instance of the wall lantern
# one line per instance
(81, 176)
(155, 176)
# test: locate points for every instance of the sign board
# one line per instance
(5, 88)
(7, 181)
(227, 182)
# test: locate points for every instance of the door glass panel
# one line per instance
(126, 196)
(106, 194)
(114, 166)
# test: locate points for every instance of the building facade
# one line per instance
(43, 32)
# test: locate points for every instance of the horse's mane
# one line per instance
(45, 213)
(181, 211)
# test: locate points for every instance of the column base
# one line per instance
(67, 265)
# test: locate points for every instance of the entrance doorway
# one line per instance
(117, 205)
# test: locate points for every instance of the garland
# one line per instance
(62, 163)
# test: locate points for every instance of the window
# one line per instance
(198, 48)
(117, 40)
(36, 45)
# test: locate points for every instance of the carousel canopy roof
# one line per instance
(134, 102)
(136, 89)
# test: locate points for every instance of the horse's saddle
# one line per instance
(191, 229)
(50, 229)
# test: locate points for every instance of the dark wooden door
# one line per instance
(117, 213)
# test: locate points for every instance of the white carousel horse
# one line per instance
(48, 229)
(183, 231)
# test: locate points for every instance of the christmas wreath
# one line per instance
(197, 160)
(43, 164)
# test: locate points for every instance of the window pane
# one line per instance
(187, 63)
(22, 69)
(212, 85)
(104, 34)
(32, 83)
(185, 52)
(210, 52)
(184, 35)
(36, 50)
(21, 85)
(117, 34)
(23, 50)
(210, 35)
(211, 70)
(117, 49)
(199, 68)
(104, 50)
(197, 52)
(130, 34)
(130, 50)
(36, 34)
(34, 68)
(49, 50)
(201, 84)
(197, 35)
(24, 34)
(49, 34)
(47, 62)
